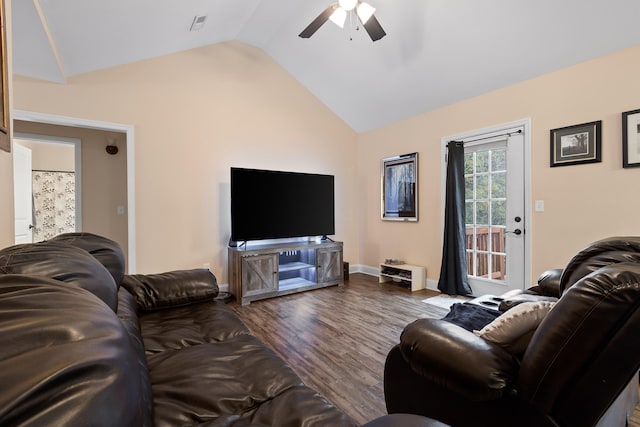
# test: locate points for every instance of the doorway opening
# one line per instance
(497, 206)
(125, 209)
(55, 176)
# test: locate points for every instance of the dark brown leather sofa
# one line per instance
(83, 344)
(580, 358)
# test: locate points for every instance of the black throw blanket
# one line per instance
(470, 317)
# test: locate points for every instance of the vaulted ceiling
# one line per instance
(436, 52)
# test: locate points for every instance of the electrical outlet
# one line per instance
(539, 206)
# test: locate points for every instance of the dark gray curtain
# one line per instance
(453, 271)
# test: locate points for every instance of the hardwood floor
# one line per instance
(337, 338)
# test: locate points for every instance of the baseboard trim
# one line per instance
(365, 269)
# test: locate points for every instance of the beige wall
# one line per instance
(104, 176)
(231, 105)
(583, 203)
(196, 114)
(49, 156)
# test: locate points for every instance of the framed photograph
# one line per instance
(577, 144)
(400, 188)
(631, 139)
(5, 140)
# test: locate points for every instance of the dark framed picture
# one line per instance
(631, 139)
(400, 188)
(577, 144)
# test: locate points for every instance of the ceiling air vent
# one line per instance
(198, 22)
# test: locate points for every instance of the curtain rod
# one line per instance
(488, 137)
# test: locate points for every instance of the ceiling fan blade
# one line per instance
(317, 23)
(374, 29)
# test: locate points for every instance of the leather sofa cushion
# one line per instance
(171, 289)
(301, 406)
(106, 251)
(62, 262)
(204, 366)
(235, 375)
(190, 325)
(238, 378)
(65, 358)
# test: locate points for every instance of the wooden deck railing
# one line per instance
(483, 236)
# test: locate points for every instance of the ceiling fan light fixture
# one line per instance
(365, 11)
(347, 4)
(339, 17)
(338, 13)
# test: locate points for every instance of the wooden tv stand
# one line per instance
(262, 271)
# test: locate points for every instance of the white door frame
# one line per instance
(526, 125)
(31, 116)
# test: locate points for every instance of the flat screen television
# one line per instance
(268, 204)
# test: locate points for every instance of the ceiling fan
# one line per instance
(338, 12)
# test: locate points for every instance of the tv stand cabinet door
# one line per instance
(329, 264)
(259, 274)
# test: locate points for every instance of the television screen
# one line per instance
(275, 204)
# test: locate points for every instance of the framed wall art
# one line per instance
(631, 139)
(400, 188)
(577, 144)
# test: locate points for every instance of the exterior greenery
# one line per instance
(486, 187)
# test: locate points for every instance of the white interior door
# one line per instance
(22, 194)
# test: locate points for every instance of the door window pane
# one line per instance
(499, 212)
(498, 185)
(482, 213)
(482, 186)
(482, 161)
(485, 216)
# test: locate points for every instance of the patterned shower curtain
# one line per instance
(54, 204)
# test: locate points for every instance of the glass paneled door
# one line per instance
(494, 213)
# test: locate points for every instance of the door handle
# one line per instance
(31, 226)
(517, 232)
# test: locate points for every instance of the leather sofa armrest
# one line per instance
(549, 282)
(509, 303)
(547, 289)
(171, 289)
(457, 359)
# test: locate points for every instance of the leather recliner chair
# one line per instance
(580, 358)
